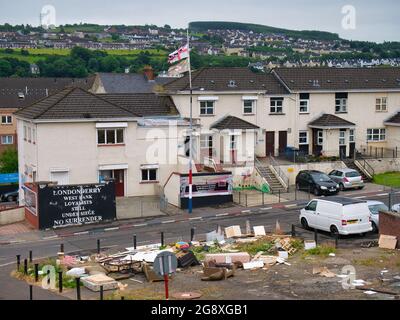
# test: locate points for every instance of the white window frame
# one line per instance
(307, 106)
(376, 135)
(148, 174)
(115, 136)
(381, 104)
(306, 138)
(342, 138)
(320, 138)
(207, 107)
(253, 106)
(341, 105)
(274, 107)
(3, 138)
(352, 135)
(8, 119)
(205, 141)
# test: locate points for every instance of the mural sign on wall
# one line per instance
(74, 205)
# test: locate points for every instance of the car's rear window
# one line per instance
(352, 174)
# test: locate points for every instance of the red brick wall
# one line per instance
(389, 225)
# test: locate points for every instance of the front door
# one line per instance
(119, 183)
(317, 142)
(343, 152)
(270, 143)
(352, 149)
(119, 179)
(283, 137)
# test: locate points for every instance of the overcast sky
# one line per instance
(376, 20)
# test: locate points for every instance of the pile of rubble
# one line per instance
(221, 254)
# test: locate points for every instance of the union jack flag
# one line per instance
(178, 55)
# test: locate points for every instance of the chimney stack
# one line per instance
(149, 73)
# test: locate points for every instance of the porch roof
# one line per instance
(327, 121)
(233, 123)
(394, 121)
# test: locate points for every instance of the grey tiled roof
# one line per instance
(233, 123)
(395, 119)
(228, 79)
(330, 120)
(339, 79)
(35, 89)
(129, 83)
(144, 104)
(73, 103)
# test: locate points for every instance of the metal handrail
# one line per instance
(279, 171)
(366, 166)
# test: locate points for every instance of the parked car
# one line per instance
(375, 207)
(347, 179)
(338, 215)
(316, 182)
(396, 208)
(10, 196)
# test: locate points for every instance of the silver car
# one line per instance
(376, 207)
(347, 179)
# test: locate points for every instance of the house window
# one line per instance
(276, 105)
(342, 137)
(206, 108)
(381, 104)
(29, 134)
(33, 135)
(110, 136)
(25, 133)
(206, 142)
(341, 102)
(233, 143)
(149, 175)
(320, 138)
(303, 137)
(352, 136)
(249, 106)
(304, 103)
(7, 139)
(6, 119)
(374, 135)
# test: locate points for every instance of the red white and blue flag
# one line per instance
(178, 55)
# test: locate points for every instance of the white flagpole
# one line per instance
(190, 204)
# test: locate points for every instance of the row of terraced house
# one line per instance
(140, 138)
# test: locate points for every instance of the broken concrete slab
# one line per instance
(387, 242)
(268, 260)
(233, 232)
(309, 245)
(253, 265)
(242, 257)
(95, 282)
(259, 231)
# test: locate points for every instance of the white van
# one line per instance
(337, 215)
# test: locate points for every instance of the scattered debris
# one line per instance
(324, 272)
(370, 293)
(186, 295)
(76, 272)
(242, 257)
(187, 259)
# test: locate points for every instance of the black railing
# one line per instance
(379, 152)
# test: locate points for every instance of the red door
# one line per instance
(119, 183)
(270, 143)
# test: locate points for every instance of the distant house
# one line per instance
(128, 82)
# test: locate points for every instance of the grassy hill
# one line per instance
(202, 26)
